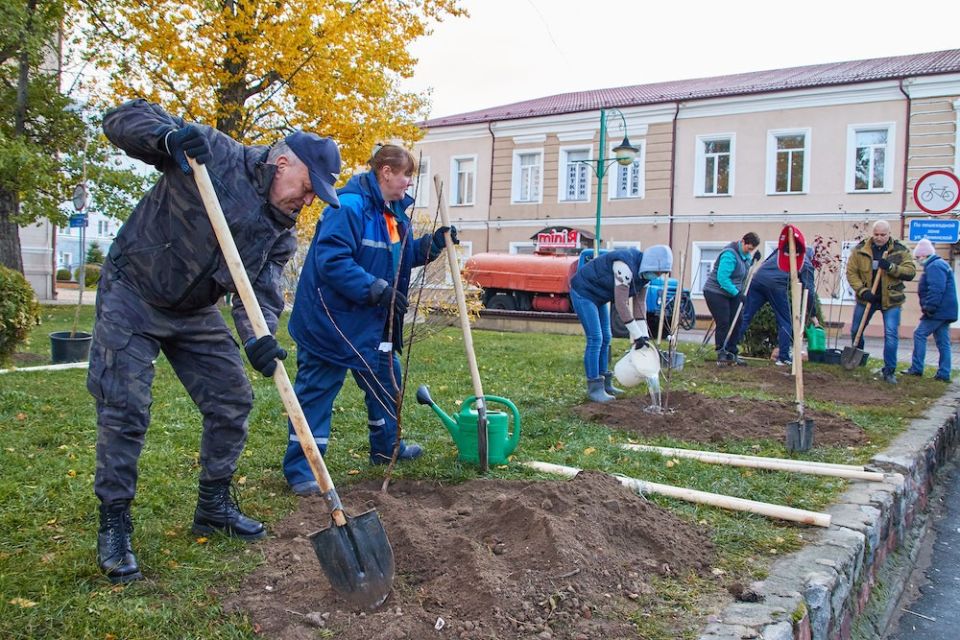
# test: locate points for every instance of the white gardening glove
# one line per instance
(639, 333)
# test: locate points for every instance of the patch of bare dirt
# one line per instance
(490, 558)
(831, 385)
(698, 418)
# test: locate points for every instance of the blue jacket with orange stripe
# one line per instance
(334, 315)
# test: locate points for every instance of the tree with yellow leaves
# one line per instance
(255, 68)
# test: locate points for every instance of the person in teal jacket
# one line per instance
(724, 290)
(349, 309)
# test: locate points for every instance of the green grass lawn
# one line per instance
(49, 583)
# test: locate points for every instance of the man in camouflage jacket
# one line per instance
(872, 254)
(158, 292)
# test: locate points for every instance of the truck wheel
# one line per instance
(503, 301)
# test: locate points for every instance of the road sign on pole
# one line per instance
(935, 230)
(78, 220)
(937, 192)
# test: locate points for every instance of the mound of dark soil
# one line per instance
(484, 559)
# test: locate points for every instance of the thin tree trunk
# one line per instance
(10, 256)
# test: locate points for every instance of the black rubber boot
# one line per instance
(114, 551)
(217, 512)
(608, 384)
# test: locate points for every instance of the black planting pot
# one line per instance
(65, 348)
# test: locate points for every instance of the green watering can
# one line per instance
(463, 427)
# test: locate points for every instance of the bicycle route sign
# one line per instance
(937, 192)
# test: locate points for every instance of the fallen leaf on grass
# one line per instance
(242, 480)
(23, 603)
(589, 451)
(202, 540)
(21, 416)
(353, 472)
(71, 473)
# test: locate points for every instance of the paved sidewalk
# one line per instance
(71, 296)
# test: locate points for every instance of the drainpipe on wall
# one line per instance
(673, 179)
(906, 162)
(493, 141)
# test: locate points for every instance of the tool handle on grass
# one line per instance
(260, 329)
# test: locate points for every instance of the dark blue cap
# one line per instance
(322, 158)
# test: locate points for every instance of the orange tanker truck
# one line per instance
(540, 282)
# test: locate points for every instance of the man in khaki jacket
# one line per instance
(881, 252)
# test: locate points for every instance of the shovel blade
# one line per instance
(357, 559)
(851, 357)
(800, 435)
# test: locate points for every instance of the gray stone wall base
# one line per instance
(823, 591)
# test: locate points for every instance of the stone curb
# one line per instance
(818, 592)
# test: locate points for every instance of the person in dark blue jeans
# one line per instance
(615, 277)
(938, 301)
(772, 285)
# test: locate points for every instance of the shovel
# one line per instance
(481, 402)
(353, 552)
(852, 356)
(799, 435)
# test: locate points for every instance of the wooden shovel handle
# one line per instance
(866, 310)
(260, 329)
(465, 326)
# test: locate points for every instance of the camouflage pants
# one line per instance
(127, 337)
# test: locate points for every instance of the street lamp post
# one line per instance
(624, 154)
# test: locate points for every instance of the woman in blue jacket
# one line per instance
(615, 277)
(348, 313)
(938, 302)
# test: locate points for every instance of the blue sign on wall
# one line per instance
(934, 230)
(78, 220)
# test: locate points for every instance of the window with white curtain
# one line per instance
(463, 174)
(527, 176)
(575, 174)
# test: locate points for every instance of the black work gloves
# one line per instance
(884, 264)
(742, 299)
(870, 296)
(383, 295)
(263, 354)
(640, 343)
(187, 141)
(439, 243)
(756, 257)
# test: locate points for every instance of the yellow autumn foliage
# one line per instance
(256, 68)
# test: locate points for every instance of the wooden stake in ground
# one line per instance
(467, 332)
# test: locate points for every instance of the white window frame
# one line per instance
(772, 135)
(698, 277)
(522, 244)
(66, 260)
(613, 173)
(700, 169)
(889, 152)
(584, 166)
(515, 177)
(422, 184)
(455, 181)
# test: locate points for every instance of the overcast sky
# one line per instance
(512, 50)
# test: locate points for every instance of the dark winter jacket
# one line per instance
(734, 258)
(334, 315)
(938, 291)
(167, 250)
(595, 280)
(860, 272)
(770, 275)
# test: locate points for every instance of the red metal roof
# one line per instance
(817, 75)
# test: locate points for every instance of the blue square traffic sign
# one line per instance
(934, 230)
